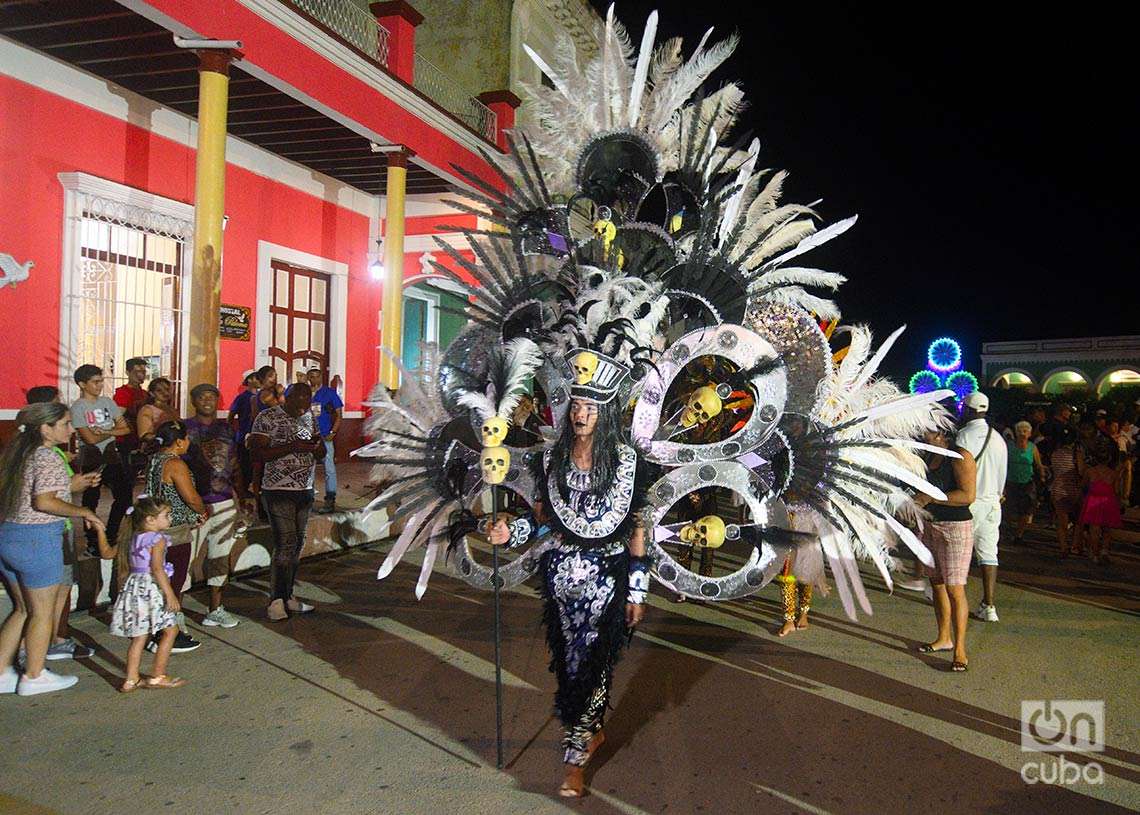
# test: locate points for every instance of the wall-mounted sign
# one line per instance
(234, 322)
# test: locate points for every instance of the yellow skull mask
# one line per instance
(707, 532)
(495, 463)
(704, 403)
(494, 431)
(585, 364)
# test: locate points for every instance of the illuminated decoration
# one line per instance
(944, 355)
(925, 382)
(963, 383)
(944, 370)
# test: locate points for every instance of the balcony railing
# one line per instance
(355, 25)
(445, 92)
(358, 27)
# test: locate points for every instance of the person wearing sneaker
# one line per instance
(168, 479)
(64, 646)
(991, 460)
(35, 493)
(328, 408)
(147, 607)
(213, 458)
(286, 440)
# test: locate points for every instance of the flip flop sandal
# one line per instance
(959, 667)
(927, 648)
(163, 682)
(130, 685)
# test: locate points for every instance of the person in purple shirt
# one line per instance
(214, 460)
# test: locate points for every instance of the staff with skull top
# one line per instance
(509, 370)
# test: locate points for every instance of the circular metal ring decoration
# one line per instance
(764, 562)
(736, 344)
(520, 481)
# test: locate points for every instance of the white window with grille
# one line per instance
(125, 282)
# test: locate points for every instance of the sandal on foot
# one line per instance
(928, 648)
(569, 790)
(130, 685)
(162, 682)
(959, 667)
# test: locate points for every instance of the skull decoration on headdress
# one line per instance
(596, 376)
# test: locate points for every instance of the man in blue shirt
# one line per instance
(327, 409)
(242, 411)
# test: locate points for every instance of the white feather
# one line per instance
(642, 70)
(523, 358)
(906, 403)
(732, 207)
(550, 73)
(481, 403)
(882, 465)
(872, 366)
(818, 239)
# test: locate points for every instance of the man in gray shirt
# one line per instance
(99, 422)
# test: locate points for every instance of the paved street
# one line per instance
(377, 703)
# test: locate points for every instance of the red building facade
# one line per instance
(98, 143)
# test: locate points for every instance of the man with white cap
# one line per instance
(989, 451)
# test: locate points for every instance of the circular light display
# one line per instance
(925, 382)
(944, 355)
(963, 383)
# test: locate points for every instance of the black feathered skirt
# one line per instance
(585, 594)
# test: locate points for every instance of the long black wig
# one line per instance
(608, 435)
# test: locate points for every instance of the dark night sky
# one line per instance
(982, 149)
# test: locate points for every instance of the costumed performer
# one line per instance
(595, 579)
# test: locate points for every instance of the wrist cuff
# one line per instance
(638, 579)
(520, 532)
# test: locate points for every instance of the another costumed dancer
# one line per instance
(628, 244)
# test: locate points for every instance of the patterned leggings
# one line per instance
(576, 742)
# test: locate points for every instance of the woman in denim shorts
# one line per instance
(35, 493)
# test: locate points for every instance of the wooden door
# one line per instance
(299, 315)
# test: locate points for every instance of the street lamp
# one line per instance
(376, 267)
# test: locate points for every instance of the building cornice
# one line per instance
(345, 58)
(53, 76)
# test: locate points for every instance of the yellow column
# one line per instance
(392, 325)
(209, 207)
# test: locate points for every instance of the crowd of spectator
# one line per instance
(204, 479)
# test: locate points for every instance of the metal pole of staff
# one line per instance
(495, 582)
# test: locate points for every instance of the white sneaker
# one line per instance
(9, 679)
(220, 616)
(46, 682)
(912, 583)
(985, 613)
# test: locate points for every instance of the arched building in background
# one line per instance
(1062, 366)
